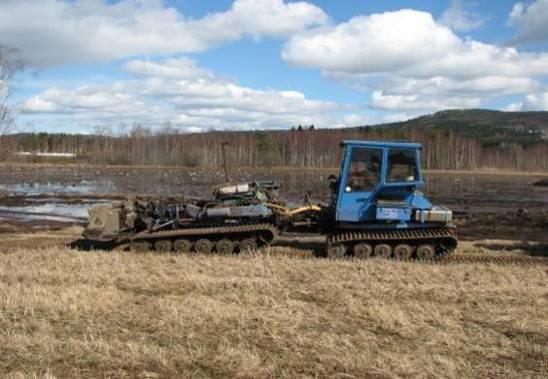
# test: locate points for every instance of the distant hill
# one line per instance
(490, 127)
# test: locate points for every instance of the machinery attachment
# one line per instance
(239, 216)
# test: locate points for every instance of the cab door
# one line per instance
(361, 176)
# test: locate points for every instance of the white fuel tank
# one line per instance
(436, 214)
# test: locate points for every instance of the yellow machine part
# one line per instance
(287, 211)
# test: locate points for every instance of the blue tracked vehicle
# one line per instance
(376, 209)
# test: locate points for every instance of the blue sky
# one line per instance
(101, 66)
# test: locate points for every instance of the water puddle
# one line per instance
(42, 188)
(46, 202)
(48, 210)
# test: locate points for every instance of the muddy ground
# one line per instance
(501, 206)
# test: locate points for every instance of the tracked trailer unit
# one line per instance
(238, 217)
(376, 209)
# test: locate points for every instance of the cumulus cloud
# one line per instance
(469, 87)
(361, 119)
(536, 102)
(531, 21)
(436, 93)
(182, 68)
(513, 107)
(407, 42)
(104, 99)
(380, 100)
(410, 61)
(64, 31)
(385, 42)
(179, 91)
(532, 102)
(459, 19)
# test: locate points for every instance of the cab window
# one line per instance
(365, 169)
(402, 166)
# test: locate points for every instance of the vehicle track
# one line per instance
(386, 243)
(221, 239)
(446, 258)
(453, 259)
(472, 259)
(491, 259)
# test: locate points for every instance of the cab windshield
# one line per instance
(365, 169)
(402, 166)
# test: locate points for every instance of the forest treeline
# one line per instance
(303, 147)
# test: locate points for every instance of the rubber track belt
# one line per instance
(207, 231)
(438, 234)
(493, 259)
(481, 259)
(392, 235)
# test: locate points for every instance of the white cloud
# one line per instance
(438, 93)
(459, 19)
(513, 107)
(411, 62)
(386, 42)
(359, 119)
(440, 85)
(531, 21)
(103, 99)
(180, 91)
(407, 42)
(383, 101)
(182, 68)
(400, 116)
(262, 17)
(536, 102)
(50, 32)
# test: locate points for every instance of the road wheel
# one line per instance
(163, 246)
(382, 250)
(224, 246)
(203, 246)
(426, 252)
(248, 244)
(362, 250)
(403, 252)
(336, 251)
(182, 246)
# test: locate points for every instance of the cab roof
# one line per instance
(394, 144)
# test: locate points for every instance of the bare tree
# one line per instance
(10, 65)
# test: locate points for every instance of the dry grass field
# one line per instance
(112, 314)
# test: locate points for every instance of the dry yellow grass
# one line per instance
(67, 314)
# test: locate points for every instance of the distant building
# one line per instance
(46, 155)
